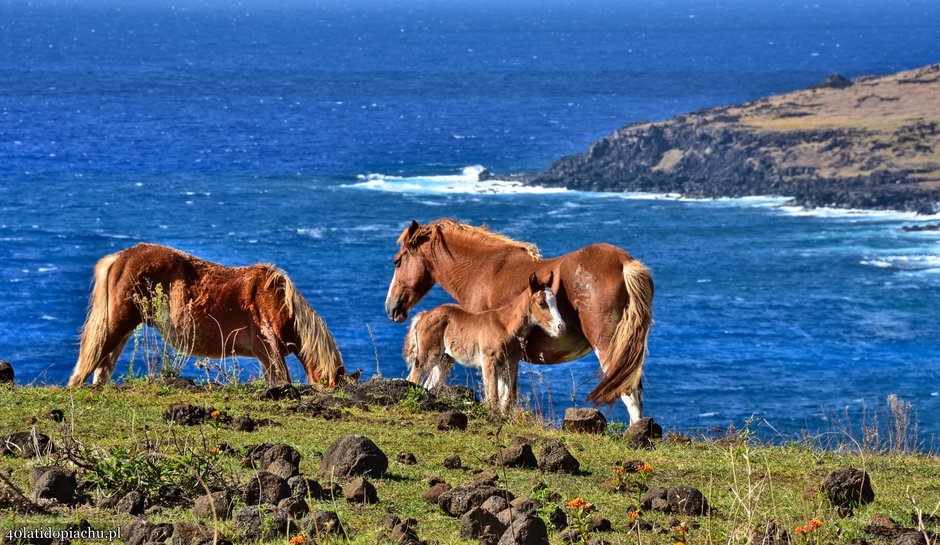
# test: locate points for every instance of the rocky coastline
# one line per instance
(868, 143)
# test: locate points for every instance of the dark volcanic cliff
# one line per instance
(870, 143)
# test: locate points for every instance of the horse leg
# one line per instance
(439, 371)
(105, 370)
(634, 403)
(509, 396)
(491, 384)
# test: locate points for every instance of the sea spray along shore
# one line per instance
(152, 449)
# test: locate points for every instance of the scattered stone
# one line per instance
(600, 524)
(478, 523)
(643, 433)
(265, 521)
(332, 491)
(520, 456)
(453, 462)
(221, 500)
(525, 505)
(495, 504)
(584, 421)
(265, 488)
(131, 504)
(360, 490)
(56, 415)
(685, 500)
(180, 383)
(294, 507)
(485, 477)
(317, 409)
(353, 455)
(434, 492)
(323, 523)
(558, 519)
(283, 469)
(405, 533)
(911, 538)
(406, 458)
(26, 444)
(833, 81)
(53, 483)
(465, 497)
(277, 393)
(277, 452)
(6, 372)
(525, 531)
(302, 487)
(193, 533)
(555, 458)
(139, 532)
(880, 519)
(848, 488)
(385, 392)
(649, 499)
(453, 420)
(243, 423)
(770, 534)
(187, 414)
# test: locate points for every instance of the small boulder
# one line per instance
(360, 490)
(220, 500)
(685, 500)
(643, 433)
(243, 423)
(478, 523)
(353, 455)
(485, 477)
(848, 488)
(555, 458)
(600, 524)
(284, 391)
(584, 421)
(193, 533)
(6, 372)
(453, 420)
(434, 492)
(264, 521)
(302, 487)
(282, 468)
(294, 507)
(910, 538)
(520, 456)
(406, 458)
(459, 500)
(56, 415)
(495, 504)
(525, 531)
(53, 483)
(453, 462)
(558, 519)
(279, 452)
(131, 504)
(653, 498)
(139, 532)
(265, 488)
(322, 523)
(528, 506)
(25, 444)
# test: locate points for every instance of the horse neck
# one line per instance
(455, 261)
(515, 317)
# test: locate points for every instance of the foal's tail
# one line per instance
(624, 361)
(95, 330)
(317, 346)
(409, 351)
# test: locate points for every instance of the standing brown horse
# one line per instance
(212, 311)
(491, 340)
(604, 296)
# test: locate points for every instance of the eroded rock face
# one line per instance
(584, 421)
(848, 488)
(351, 456)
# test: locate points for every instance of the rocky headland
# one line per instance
(872, 142)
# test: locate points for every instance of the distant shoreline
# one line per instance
(872, 143)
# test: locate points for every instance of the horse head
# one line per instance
(543, 307)
(412, 279)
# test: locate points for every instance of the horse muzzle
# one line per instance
(395, 312)
(560, 330)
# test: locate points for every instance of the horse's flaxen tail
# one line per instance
(624, 360)
(317, 346)
(95, 330)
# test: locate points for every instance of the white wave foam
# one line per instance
(908, 263)
(857, 214)
(467, 181)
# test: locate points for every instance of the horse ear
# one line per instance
(548, 281)
(534, 284)
(410, 232)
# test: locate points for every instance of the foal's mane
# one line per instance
(479, 234)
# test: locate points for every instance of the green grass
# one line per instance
(746, 482)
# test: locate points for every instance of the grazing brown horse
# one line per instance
(212, 311)
(604, 296)
(491, 340)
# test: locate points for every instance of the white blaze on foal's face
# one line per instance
(546, 314)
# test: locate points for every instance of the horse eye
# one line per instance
(397, 262)
(543, 304)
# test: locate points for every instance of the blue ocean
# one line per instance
(308, 134)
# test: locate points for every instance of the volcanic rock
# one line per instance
(353, 455)
(584, 421)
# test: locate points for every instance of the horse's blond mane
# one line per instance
(481, 233)
(316, 343)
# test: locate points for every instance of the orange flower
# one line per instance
(682, 528)
(298, 539)
(644, 468)
(215, 414)
(680, 543)
(634, 515)
(815, 523)
(617, 470)
(801, 530)
(580, 503)
(213, 450)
